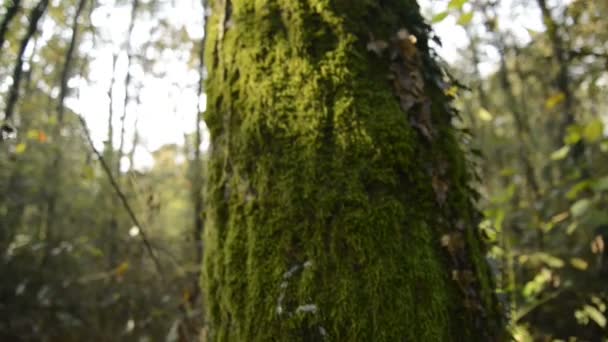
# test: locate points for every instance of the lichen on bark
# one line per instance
(329, 211)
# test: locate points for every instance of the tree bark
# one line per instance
(10, 14)
(13, 94)
(338, 204)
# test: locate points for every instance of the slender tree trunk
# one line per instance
(11, 12)
(197, 176)
(561, 55)
(109, 157)
(13, 94)
(109, 149)
(54, 170)
(338, 204)
(123, 118)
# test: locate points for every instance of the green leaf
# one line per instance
(595, 315)
(600, 184)
(551, 260)
(20, 148)
(574, 135)
(465, 19)
(439, 17)
(579, 264)
(32, 134)
(571, 228)
(580, 207)
(555, 100)
(457, 4)
(561, 153)
(484, 115)
(577, 188)
(593, 131)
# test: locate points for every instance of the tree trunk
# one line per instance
(338, 204)
(11, 11)
(13, 95)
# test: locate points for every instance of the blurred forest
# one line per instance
(98, 243)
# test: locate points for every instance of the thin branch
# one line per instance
(128, 80)
(123, 198)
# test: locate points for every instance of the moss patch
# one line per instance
(322, 218)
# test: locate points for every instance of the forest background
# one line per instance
(103, 148)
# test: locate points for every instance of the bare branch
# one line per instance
(123, 199)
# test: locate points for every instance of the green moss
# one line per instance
(322, 222)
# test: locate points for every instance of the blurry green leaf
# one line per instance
(484, 114)
(20, 148)
(599, 303)
(561, 153)
(439, 17)
(571, 228)
(580, 207)
(593, 131)
(600, 184)
(555, 100)
(508, 171)
(457, 4)
(94, 251)
(521, 334)
(547, 226)
(452, 91)
(121, 269)
(595, 217)
(595, 315)
(488, 231)
(536, 285)
(577, 188)
(581, 317)
(573, 136)
(550, 260)
(32, 134)
(579, 264)
(465, 19)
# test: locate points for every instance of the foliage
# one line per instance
(544, 168)
(72, 263)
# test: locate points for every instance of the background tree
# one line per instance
(540, 128)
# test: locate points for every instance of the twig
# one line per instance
(123, 199)
(525, 311)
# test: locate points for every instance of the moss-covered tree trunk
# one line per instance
(338, 205)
